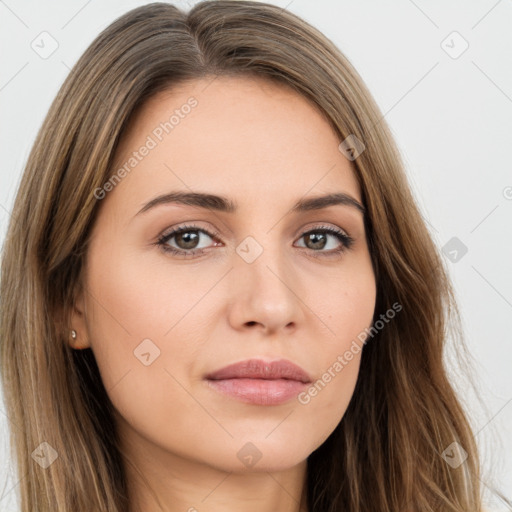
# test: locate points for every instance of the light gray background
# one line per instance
(451, 116)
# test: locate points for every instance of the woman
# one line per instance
(217, 290)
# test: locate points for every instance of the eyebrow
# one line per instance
(224, 204)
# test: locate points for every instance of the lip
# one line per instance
(260, 382)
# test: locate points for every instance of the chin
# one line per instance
(257, 456)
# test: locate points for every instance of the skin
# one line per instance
(265, 147)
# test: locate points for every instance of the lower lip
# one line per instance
(259, 391)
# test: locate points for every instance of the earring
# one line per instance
(73, 334)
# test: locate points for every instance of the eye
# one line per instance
(187, 239)
(318, 238)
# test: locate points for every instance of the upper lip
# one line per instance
(259, 369)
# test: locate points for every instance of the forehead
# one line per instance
(242, 135)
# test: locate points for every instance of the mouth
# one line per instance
(258, 382)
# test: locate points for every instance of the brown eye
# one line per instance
(318, 239)
(186, 240)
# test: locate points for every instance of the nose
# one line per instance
(265, 293)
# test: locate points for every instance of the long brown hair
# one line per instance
(386, 454)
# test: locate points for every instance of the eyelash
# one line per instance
(346, 241)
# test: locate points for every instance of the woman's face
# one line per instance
(261, 281)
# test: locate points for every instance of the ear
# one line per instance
(77, 322)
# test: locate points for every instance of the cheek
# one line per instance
(133, 313)
(343, 301)
(145, 336)
(147, 325)
(351, 307)
(346, 307)
(134, 297)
